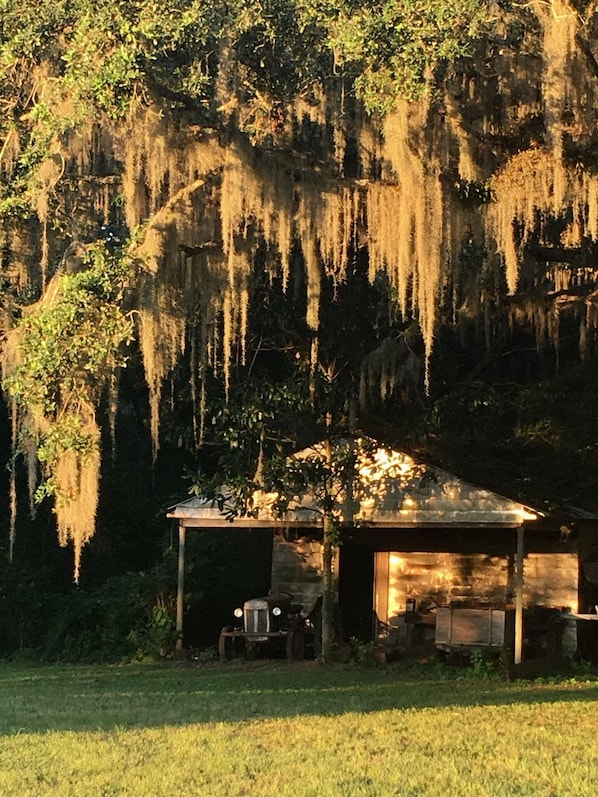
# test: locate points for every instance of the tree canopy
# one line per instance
(162, 162)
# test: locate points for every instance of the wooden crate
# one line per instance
(473, 627)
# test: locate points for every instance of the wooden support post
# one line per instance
(180, 589)
(381, 578)
(518, 652)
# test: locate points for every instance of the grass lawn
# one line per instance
(274, 728)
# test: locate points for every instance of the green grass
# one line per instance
(268, 729)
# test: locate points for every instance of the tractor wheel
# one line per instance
(295, 644)
(226, 645)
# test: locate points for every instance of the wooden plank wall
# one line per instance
(433, 579)
(551, 580)
(297, 568)
(436, 579)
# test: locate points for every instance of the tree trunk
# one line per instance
(328, 545)
(329, 590)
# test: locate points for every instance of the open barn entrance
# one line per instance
(356, 591)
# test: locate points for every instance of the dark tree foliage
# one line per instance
(226, 228)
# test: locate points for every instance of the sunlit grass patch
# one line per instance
(291, 730)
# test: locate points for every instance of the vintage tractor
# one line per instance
(273, 623)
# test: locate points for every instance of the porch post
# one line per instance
(381, 577)
(180, 589)
(519, 598)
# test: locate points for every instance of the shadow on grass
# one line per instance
(86, 698)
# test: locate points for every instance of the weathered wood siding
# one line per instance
(297, 568)
(435, 579)
(551, 580)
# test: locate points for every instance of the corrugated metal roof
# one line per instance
(390, 488)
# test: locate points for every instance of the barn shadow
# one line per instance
(42, 699)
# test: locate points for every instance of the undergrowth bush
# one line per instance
(128, 616)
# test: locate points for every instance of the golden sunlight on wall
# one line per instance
(551, 580)
(435, 579)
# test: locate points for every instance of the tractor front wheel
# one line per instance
(226, 644)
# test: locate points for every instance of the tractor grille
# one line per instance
(256, 615)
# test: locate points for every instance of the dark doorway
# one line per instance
(356, 591)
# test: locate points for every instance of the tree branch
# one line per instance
(578, 257)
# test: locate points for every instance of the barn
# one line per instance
(428, 559)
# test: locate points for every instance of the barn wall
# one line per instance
(434, 579)
(551, 580)
(297, 568)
